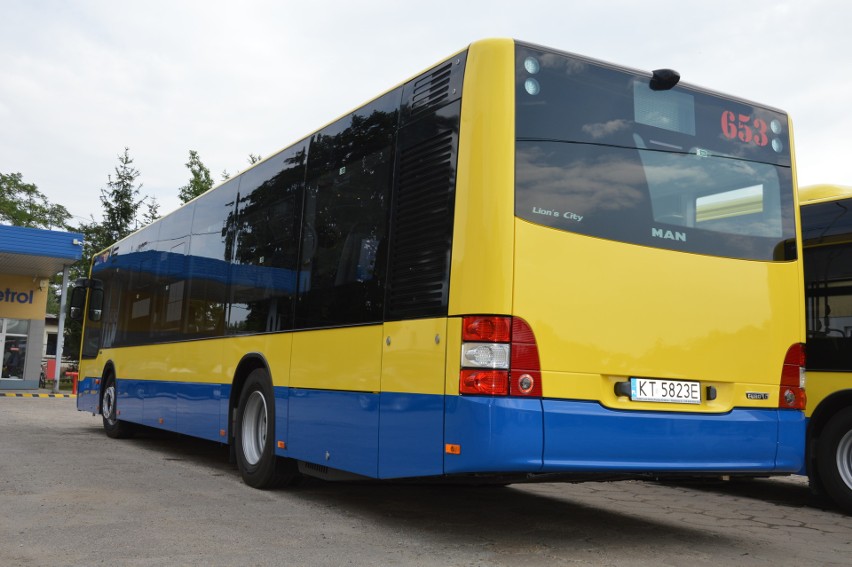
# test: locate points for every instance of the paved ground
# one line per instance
(71, 496)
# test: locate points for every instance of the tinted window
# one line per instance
(171, 274)
(601, 153)
(211, 248)
(265, 271)
(347, 198)
(128, 274)
(828, 284)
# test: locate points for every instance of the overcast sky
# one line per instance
(80, 80)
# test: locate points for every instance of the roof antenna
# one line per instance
(664, 79)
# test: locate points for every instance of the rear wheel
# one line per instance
(254, 436)
(834, 459)
(113, 426)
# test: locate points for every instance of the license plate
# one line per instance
(666, 391)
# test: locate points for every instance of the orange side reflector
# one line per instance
(452, 449)
(161, 420)
(222, 433)
(282, 445)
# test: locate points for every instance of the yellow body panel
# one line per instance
(481, 271)
(413, 356)
(338, 359)
(603, 311)
(453, 361)
(823, 192)
(211, 361)
(823, 384)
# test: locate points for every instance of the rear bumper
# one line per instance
(551, 436)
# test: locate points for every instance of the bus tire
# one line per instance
(834, 459)
(254, 436)
(114, 427)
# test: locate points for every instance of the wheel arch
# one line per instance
(827, 409)
(248, 363)
(109, 370)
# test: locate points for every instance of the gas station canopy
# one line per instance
(36, 252)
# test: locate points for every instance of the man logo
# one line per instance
(668, 234)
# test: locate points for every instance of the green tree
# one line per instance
(200, 182)
(22, 204)
(121, 200)
(152, 211)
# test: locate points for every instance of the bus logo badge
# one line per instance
(757, 395)
(668, 234)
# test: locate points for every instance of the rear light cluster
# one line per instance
(792, 393)
(499, 357)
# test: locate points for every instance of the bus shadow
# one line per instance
(779, 491)
(508, 518)
(514, 516)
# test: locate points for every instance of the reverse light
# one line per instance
(485, 355)
(499, 357)
(791, 394)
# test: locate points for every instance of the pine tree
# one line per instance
(120, 200)
(200, 182)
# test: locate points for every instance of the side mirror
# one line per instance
(78, 303)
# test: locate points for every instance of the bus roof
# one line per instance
(823, 192)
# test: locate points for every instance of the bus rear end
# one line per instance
(649, 313)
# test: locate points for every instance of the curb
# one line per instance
(13, 395)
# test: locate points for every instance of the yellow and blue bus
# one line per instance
(827, 244)
(520, 264)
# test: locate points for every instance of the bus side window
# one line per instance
(347, 202)
(264, 272)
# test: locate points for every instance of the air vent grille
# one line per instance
(431, 90)
(420, 249)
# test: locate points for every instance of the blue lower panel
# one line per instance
(159, 406)
(282, 416)
(494, 434)
(516, 435)
(584, 436)
(411, 435)
(88, 394)
(335, 429)
(792, 439)
(131, 394)
(197, 409)
(184, 407)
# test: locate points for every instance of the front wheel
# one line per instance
(254, 436)
(834, 459)
(113, 426)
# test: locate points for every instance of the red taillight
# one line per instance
(791, 394)
(525, 368)
(484, 382)
(493, 334)
(487, 329)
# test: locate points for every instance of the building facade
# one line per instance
(29, 257)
